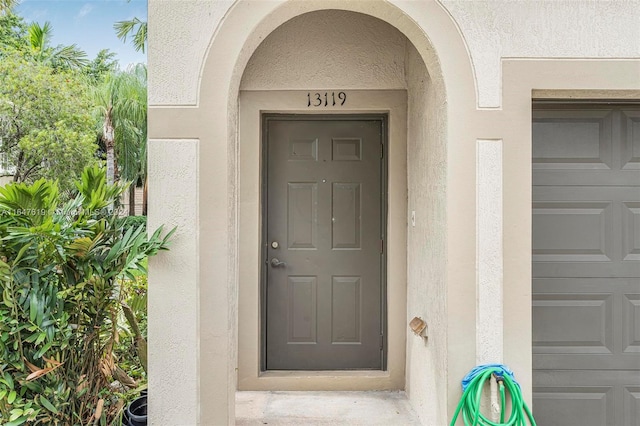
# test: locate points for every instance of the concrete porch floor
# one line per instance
(324, 408)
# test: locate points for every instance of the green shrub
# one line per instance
(133, 221)
(65, 275)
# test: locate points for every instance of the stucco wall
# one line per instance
(426, 242)
(173, 340)
(315, 49)
(201, 266)
(492, 30)
(495, 29)
(179, 34)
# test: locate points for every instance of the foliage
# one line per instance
(133, 354)
(32, 42)
(133, 26)
(136, 27)
(134, 221)
(55, 105)
(59, 57)
(131, 124)
(13, 31)
(64, 271)
(45, 125)
(7, 5)
(103, 64)
(121, 107)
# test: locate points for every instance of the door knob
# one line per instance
(275, 262)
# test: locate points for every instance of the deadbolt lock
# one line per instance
(275, 245)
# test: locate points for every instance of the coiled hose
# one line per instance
(472, 386)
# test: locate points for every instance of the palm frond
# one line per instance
(7, 5)
(59, 57)
(136, 27)
(69, 57)
(39, 36)
(123, 96)
(140, 38)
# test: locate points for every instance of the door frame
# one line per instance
(526, 80)
(250, 373)
(345, 116)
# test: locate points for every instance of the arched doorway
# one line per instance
(433, 187)
(375, 69)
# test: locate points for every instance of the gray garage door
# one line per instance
(586, 264)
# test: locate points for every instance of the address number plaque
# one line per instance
(325, 99)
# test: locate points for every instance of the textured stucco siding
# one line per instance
(179, 35)
(314, 50)
(496, 29)
(426, 243)
(173, 341)
(492, 29)
(457, 259)
(489, 281)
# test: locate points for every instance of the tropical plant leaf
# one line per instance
(69, 57)
(39, 36)
(60, 317)
(48, 405)
(17, 422)
(133, 26)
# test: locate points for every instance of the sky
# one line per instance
(88, 24)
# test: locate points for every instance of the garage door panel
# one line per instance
(631, 406)
(586, 231)
(562, 286)
(573, 231)
(616, 133)
(589, 270)
(611, 398)
(614, 397)
(587, 323)
(630, 140)
(594, 194)
(599, 318)
(572, 141)
(561, 405)
(631, 324)
(585, 363)
(586, 265)
(581, 178)
(631, 230)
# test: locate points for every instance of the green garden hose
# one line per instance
(472, 386)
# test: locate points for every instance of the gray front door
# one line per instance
(323, 242)
(586, 265)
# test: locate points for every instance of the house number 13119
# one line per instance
(325, 99)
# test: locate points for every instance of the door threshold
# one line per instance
(338, 380)
(324, 373)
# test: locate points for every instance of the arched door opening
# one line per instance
(372, 70)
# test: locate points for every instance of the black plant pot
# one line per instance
(136, 412)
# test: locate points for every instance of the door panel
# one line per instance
(324, 210)
(586, 272)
